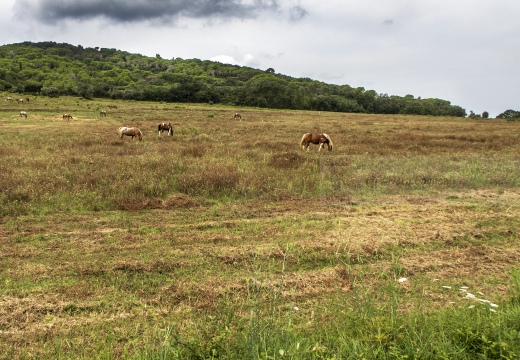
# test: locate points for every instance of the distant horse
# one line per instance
(23, 114)
(20, 101)
(317, 139)
(112, 106)
(238, 116)
(130, 131)
(9, 99)
(27, 99)
(165, 127)
(103, 113)
(67, 116)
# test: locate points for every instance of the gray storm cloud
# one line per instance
(52, 11)
(297, 12)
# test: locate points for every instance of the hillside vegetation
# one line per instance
(227, 241)
(53, 69)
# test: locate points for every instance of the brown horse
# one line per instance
(23, 114)
(165, 127)
(103, 113)
(130, 131)
(67, 117)
(20, 101)
(238, 116)
(317, 139)
(112, 106)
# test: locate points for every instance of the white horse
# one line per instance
(23, 114)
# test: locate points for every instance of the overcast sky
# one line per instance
(463, 51)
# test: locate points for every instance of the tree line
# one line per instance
(53, 69)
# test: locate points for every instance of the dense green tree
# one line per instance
(509, 114)
(54, 69)
(50, 91)
(266, 90)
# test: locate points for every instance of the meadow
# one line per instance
(228, 241)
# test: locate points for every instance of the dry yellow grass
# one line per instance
(100, 236)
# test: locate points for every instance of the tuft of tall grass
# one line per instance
(358, 325)
(391, 174)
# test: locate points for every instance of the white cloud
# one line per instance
(247, 60)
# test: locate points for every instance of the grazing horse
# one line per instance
(67, 116)
(165, 127)
(130, 131)
(27, 99)
(112, 106)
(103, 113)
(20, 101)
(317, 139)
(9, 99)
(237, 116)
(23, 114)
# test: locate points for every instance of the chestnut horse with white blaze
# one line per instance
(317, 139)
(130, 131)
(165, 127)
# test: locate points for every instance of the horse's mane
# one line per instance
(328, 138)
(330, 141)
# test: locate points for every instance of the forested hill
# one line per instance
(52, 69)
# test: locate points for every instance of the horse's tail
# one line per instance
(302, 142)
(330, 141)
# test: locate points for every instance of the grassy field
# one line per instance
(227, 241)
